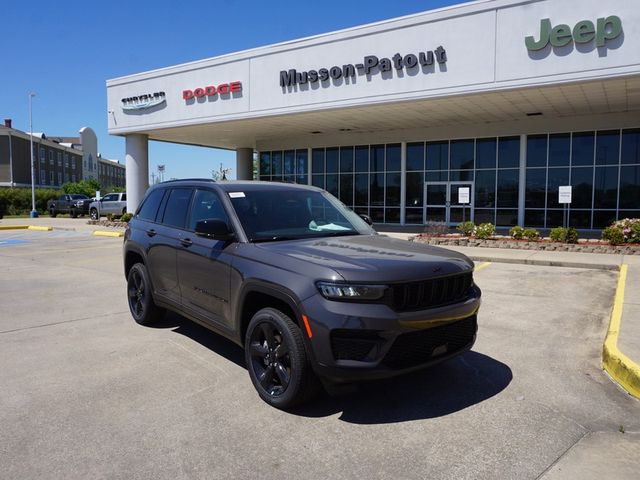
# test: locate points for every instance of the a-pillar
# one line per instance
(244, 163)
(137, 162)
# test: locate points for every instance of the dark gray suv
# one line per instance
(304, 284)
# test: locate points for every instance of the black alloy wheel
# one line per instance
(141, 305)
(277, 360)
(52, 212)
(94, 214)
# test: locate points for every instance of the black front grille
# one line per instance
(415, 348)
(354, 344)
(431, 293)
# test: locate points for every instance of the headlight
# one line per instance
(341, 291)
(79, 203)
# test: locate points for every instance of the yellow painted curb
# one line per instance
(621, 368)
(98, 233)
(482, 265)
(14, 227)
(39, 228)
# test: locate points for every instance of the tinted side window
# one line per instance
(150, 206)
(175, 213)
(206, 205)
(124, 197)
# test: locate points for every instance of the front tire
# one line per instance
(52, 212)
(73, 213)
(143, 310)
(94, 214)
(277, 360)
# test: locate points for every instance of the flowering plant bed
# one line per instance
(583, 245)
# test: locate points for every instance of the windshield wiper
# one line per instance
(274, 239)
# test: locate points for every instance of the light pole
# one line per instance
(34, 212)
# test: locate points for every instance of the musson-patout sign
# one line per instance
(370, 65)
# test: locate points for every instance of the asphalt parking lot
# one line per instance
(87, 393)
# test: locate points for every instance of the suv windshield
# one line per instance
(288, 214)
(79, 197)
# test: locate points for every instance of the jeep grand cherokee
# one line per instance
(304, 284)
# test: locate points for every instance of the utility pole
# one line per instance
(34, 212)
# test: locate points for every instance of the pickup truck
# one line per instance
(72, 203)
(113, 203)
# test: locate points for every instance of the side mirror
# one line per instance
(214, 228)
(367, 219)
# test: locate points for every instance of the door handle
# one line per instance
(186, 242)
(151, 232)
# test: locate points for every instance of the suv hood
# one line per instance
(373, 258)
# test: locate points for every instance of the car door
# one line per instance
(107, 203)
(164, 242)
(204, 264)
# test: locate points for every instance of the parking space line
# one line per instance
(482, 265)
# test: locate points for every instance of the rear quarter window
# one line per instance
(149, 207)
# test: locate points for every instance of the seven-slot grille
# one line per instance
(431, 293)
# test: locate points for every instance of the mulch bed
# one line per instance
(583, 245)
(108, 223)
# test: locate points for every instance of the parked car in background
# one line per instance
(302, 282)
(72, 203)
(112, 203)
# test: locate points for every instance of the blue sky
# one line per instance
(65, 51)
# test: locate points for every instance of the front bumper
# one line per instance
(357, 341)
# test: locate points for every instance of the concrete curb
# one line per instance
(544, 263)
(99, 233)
(622, 369)
(26, 227)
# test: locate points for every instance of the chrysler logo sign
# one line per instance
(142, 102)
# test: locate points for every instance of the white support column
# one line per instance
(403, 182)
(523, 179)
(309, 153)
(244, 163)
(137, 162)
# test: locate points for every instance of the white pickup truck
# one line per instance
(112, 203)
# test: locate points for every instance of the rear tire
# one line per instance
(277, 360)
(52, 212)
(73, 213)
(124, 210)
(141, 305)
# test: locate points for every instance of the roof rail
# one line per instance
(189, 180)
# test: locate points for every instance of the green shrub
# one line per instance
(485, 230)
(466, 228)
(531, 234)
(635, 233)
(516, 232)
(126, 217)
(564, 235)
(86, 187)
(3, 207)
(17, 201)
(110, 217)
(613, 234)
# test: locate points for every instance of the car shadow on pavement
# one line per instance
(443, 389)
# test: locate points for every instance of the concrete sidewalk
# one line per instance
(627, 336)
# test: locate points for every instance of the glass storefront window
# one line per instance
(461, 154)
(317, 160)
(265, 163)
(415, 156)
(331, 159)
(582, 183)
(556, 178)
(415, 190)
(605, 194)
(486, 153)
(362, 158)
(437, 156)
(485, 189)
(582, 148)
(346, 159)
(509, 152)
(537, 151)
(289, 162)
(629, 187)
(346, 189)
(630, 146)
(376, 189)
(507, 194)
(332, 184)
(376, 158)
(362, 189)
(607, 147)
(301, 162)
(559, 149)
(393, 158)
(393, 189)
(536, 184)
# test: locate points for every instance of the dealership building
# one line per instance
(507, 100)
